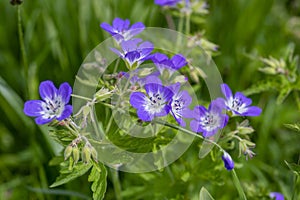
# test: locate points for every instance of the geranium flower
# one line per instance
(180, 104)
(276, 196)
(228, 162)
(239, 104)
(154, 104)
(162, 62)
(134, 51)
(167, 2)
(209, 121)
(121, 30)
(53, 104)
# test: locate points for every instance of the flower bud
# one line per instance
(94, 154)
(228, 162)
(68, 152)
(75, 154)
(103, 94)
(86, 154)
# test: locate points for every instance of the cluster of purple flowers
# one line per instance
(156, 99)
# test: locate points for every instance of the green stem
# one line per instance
(116, 182)
(180, 27)
(187, 24)
(23, 51)
(238, 185)
(81, 97)
(187, 131)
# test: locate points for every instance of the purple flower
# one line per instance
(53, 104)
(180, 104)
(228, 162)
(209, 121)
(239, 104)
(120, 29)
(135, 51)
(166, 2)
(162, 62)
(276, 196)
(154, 104)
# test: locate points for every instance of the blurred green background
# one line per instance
(58, 36)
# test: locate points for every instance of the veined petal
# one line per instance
(47, 90)
(137, 99)
(144, 115)
(42, 120)
(166, 109)
(209, 133)
(105, 26)
(65, 92)
(199, 111)
(179, 61)
(175, 88)
(158, 57)
(226, 91)
(33, 108)
(252, 111)
(66, 113)
(246, 101)
(118, 24)
(195, 125)
(138, 25)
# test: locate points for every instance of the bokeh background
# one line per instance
(58, 35)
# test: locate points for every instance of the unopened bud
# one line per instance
(68, 152)
(94, 154)
(75, 154)
(86, 154)
(228, 162)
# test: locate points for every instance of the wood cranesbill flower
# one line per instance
(121, 29)
(154, 104)
(134, 52)
(162, 62)
(276, 196)
(180, 104)
(239, 104)
(209, 121)
(228, 162)
(54, 103)
(167, 2)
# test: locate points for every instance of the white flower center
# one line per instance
(155, 103)
(53, 107)
(210, 122)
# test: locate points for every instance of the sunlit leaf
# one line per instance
(68, 175)
(98, 177)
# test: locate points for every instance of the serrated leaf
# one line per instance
(263, 86)
(67, 175)
(283, 95)
(204, 195)
(98, 177)
(294, 167)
